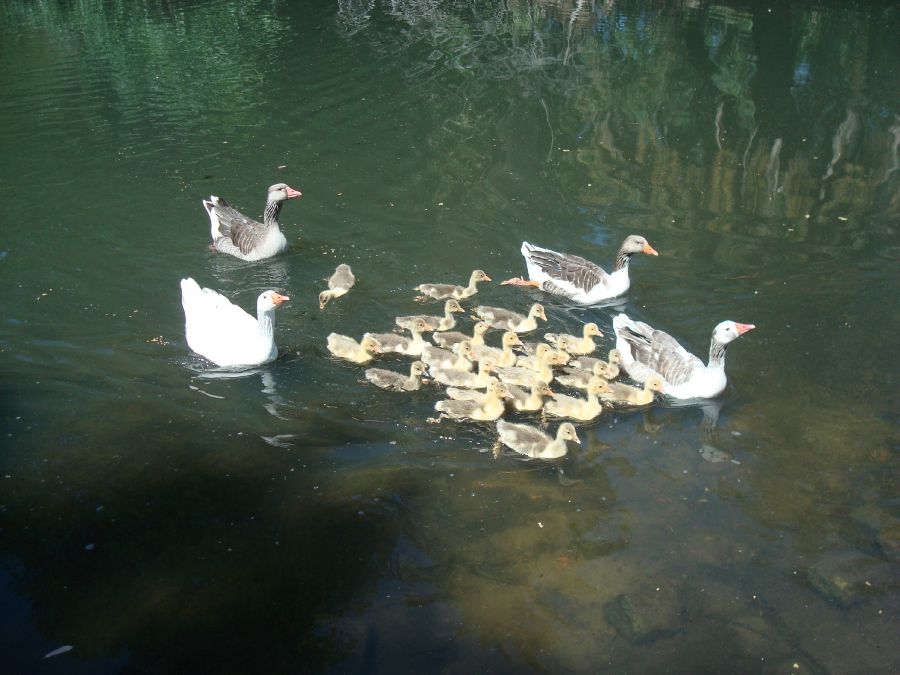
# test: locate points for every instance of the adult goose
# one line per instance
(575, 278)
(534, 443)
(647, 352)
(447, 291)
(223, 332)
(236, 234)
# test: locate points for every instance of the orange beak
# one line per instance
(291, 193)
(743, 327)
(649, 249)
(277, 298)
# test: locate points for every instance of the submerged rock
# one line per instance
(847, 578)
(645, 615)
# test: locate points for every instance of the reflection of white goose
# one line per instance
(647, 352)
(223, 332)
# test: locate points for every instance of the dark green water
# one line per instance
(157, 518)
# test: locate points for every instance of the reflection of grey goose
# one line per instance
(236, 234)
(445, 322)
(504, 319)
(391, 342)
(573, 277)
(647, 352)
(531, 442)
(223, 332)
(393, 381)
(445, 291)
(338, 284)
(488, 408)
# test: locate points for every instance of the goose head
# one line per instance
(498, 389)
(466, 350)
(566, 432)
(597, 386)
(600, 369)
(370, 345)
(728, 331)
(510, 339)
(418, 326)
(269, 300)
(281, 191)
(654, 383)
(635, 243)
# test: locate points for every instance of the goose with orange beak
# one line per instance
(223, 332)
(647, 352)
(573, 277)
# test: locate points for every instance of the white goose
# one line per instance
(534, 443)
(236, 234)
(573, 277)
(647, 352)
(223, 332)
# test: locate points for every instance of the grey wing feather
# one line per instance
(243, 231)
(574, 269)
(661, 352)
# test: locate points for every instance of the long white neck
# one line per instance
(264, 323)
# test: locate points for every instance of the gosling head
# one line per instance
(510, 339)
(417, 368)
(370, 345)
(566, 432)
(479, 275)
(453, 306)
(592, 330)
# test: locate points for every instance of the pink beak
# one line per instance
(743, 327)
(291, 192)
(277, 298)
(648, 249)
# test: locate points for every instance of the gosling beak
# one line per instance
(743, 327)
(649, 249)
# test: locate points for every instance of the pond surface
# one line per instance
(158, 516)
